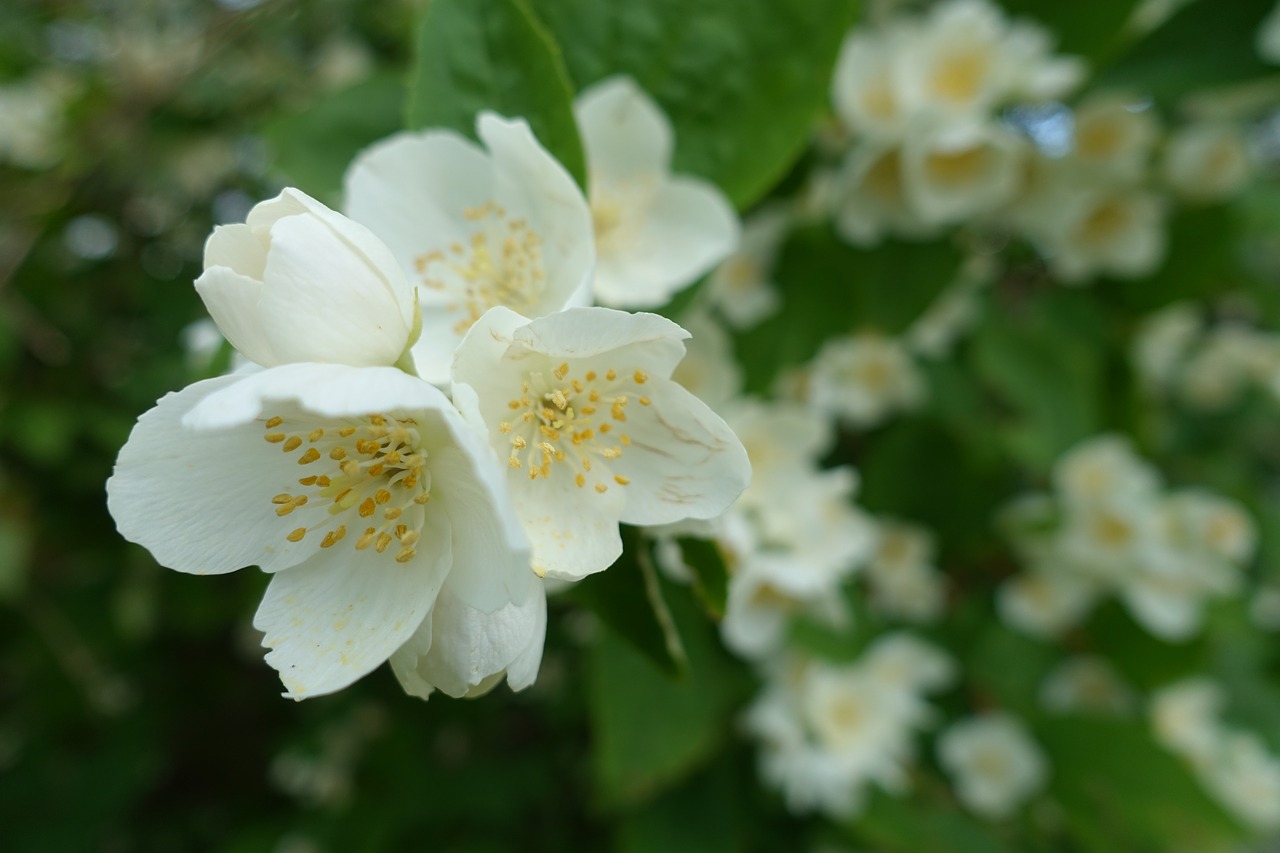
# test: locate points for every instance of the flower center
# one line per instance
(566, 421)
(501, 264)
(370, 472)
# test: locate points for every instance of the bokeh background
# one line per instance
(136, 712)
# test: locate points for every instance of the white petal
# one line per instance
(646, 342)
(237, 247)
(200, 501)
(623, 131)
(330, 390)
(334, 618)
(490, 552)
(325, 302)
(411, 188)
(469, 648)
(684, 461)
(573, 531)
(688, 228)
(232, 300)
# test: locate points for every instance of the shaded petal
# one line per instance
(684, 461)
(334, 618)
(646, 342)
(236, 246)
(327, 303)
(200, 501)
(329, 390)
(623, 131)
(689, 228)
(232, 301)
(468, 650)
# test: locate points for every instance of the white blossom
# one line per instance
(1185, 716)
(1163, 342)
(360, 490)
(475, 227)
(741, 288)
(1206, 162)
(298, 282)
(656, 233)
(901, 578)
(580, 407)
(864, 378)
(1086, 683)
(993, 762)
(957, 173)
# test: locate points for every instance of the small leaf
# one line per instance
(475, 55)
(710, 576)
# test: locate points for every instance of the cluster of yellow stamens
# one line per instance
(567, 420)
(501, 264)
(372, 466)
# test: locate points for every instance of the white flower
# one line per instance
(475, 228)
(1206, 162)
(955, 173)
(864, 86)
(1230, 360)
(1045, 601)
(1104, 230)
(580, 406)
(863, 379)
(901, 578)
(32, 135)
(1086, 683)
(1245, 777)
(708, 369)
(741, 288)
(656, 233)
(1114, 135)
(871, 199)
(1162, 343)
(298, 282)
(1104, 469)
(360, 489)
(993, 762)
(1185, 716)
(906, 662)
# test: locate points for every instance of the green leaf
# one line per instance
(1088, 28)
(649, 732)
(312, 149)
(1205, 44)
(906, 826)
(743, 81)
(475, 55)
(710, 575)
(1009, 666)
(1120, 790)
(628, 599)
(832, 288)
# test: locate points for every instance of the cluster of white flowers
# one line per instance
(902, 580)
(1233, 764)
(1177, 353)
(993, 762)
(431, 418)
(829, 731)
(1109, 527)
(954, 120)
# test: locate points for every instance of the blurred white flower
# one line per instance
(1185, 716)
(863, 379)
(865, 89)
(34, 109)
(399, 502)
(902, 581)
(1104, 469)
(959, 173)
(1045, 601)
(1245, 777)
(1088, 684)
(1206, 162)
(1231, 359)
(1103, 230)
(656, 233)
(580, 406)
(993, 763)
(741, 288)
(298, 282)
(1114, 136)
(1267, 40)
(870, 197)
(708, 369)
(475, 228)
(1163, 341)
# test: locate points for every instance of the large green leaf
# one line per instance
(648, 731)
(311, 149)
(905, 826)
(744, 81)
(1119, 790)
(1207, 43)
(475, 55)
(831, 288)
